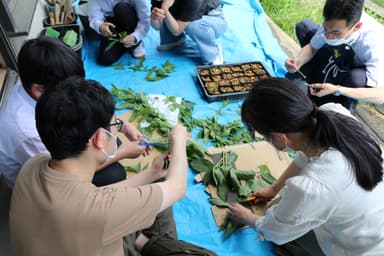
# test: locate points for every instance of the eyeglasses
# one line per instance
(335, 33)
(118, 123)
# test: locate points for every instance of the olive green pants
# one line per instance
(164, 224)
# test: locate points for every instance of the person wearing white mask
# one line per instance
(333, 201)
(67, 214)
(345, 50)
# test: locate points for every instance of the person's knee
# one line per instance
(201, 31)
(305, 29)
(357, 78)
(105, 61)
(123, 9)
(109, 175)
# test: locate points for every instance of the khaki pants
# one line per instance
(164, 224)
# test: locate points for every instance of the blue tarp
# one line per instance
(248, 38)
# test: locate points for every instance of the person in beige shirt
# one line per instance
(56, 210)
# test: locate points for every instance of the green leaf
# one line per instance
(218, 202)
(201, 165)
(266, 174)
(245, 190)
(119, 66)
(109, 46)
(231, 228)
(245, 175)
(234, 181)
(208, 178)
(222, 191)
(218, 177)
(135, 168)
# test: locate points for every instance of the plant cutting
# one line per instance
(115, 39)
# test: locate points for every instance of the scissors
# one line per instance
(250, 199)
(147, 143)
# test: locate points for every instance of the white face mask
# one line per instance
(285, 149)
(340, 41)
(336, 42)
(114, 151)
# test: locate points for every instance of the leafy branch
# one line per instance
(153, 73)
(115, 39)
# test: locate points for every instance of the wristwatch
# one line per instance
(337, 92)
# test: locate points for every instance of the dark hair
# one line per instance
(278, 105)
(68, 114)
(349, 10)
(47, 61)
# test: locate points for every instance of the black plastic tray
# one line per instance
(229, 81)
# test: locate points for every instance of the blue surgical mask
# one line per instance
(337, 41)
(114, 151)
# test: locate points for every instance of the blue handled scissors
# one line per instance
(148, 143)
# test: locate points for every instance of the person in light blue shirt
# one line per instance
(110, 18)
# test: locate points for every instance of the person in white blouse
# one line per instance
(334, 187)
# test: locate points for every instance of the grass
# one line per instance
(374, 15)
(287, 13)
(379, 2)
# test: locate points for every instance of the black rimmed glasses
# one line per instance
(118, 123)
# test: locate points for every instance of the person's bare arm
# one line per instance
(268, 193)
(306, 53)
(372, 94)
(176, 184)
(176, 27)
(157, 17)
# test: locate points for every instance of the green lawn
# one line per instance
(287, 13)
(379, 2)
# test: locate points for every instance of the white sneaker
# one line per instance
(219, 58)
(139, 51)
(169, 46)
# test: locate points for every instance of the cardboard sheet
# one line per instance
(250, 156)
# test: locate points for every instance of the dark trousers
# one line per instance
(355, 77)
(125, 19)
(303, 246)
(111, 174)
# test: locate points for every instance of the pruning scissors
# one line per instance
(250, 199)
(147, 143)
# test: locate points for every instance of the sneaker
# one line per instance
(139, 51)
(169, 46)
(219, 58)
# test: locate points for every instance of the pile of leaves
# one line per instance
(143, 111)
(227, 179)
(210, 130)
(153, 73)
